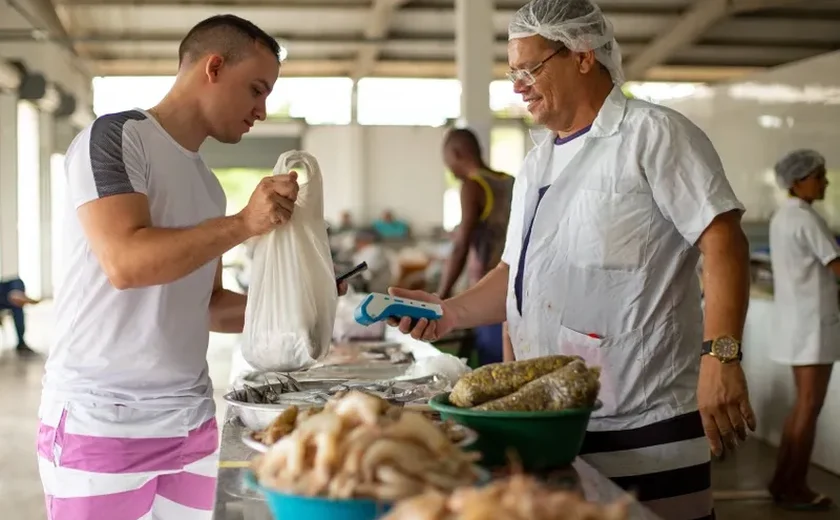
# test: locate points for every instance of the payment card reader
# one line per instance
(379, 307)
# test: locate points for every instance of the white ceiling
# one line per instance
(690, 40)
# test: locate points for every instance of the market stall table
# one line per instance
(236, 502)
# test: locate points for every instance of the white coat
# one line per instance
(805, 289)
(612, 252)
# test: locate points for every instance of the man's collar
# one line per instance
(611, 114)
(606, 123)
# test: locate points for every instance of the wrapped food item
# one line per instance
(573, 386)
(500, 379)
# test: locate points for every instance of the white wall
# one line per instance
(368, 169)
(752, 124)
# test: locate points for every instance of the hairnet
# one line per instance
(797, 165)
(577, 24)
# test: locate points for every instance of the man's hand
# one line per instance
(342, 288)
(724, 404)
(271, 204)
(424, 329)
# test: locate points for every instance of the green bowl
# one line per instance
(541, 440)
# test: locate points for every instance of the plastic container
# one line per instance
(541, 440)
(292, 507)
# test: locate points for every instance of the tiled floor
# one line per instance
(738, 481)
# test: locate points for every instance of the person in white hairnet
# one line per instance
(806, 261)
(611, 211)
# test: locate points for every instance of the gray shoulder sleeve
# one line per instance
(116, 157)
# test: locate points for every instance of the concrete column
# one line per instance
(354, 103)
(46, 132)
(29, 198)
(474, 57)
(8, 186)
(359, 144)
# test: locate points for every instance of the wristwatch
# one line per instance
(726, 348)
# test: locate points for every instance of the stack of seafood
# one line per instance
(519, 497)
(292, 417)
(360, 446)
(545, 383)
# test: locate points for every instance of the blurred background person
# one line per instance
(13, 299)
(479, 239)
(389, 227)
(806, 261)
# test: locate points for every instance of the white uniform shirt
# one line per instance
(612, 253)
(805, 289)
(145, 348)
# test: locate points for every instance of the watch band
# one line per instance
(707, 349)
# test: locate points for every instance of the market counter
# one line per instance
(235, 502)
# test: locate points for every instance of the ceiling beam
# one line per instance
(407, 68)
(45, 11)
(381, 14)
(690, 27)
(328, 4)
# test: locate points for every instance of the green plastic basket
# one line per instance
(541, 440)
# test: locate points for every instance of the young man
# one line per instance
(480, 237)
(127, 413)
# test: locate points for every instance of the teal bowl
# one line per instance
(290, 507)
(541, 440)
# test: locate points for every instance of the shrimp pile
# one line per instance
(359, 446)
(519, 497)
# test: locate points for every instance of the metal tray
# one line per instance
(257, 416)
(258, 406)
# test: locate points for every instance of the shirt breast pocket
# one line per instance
(608, 230)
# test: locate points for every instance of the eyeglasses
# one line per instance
(526, 76)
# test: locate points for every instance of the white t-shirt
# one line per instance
(562, 153)
(805, 289)
(145, 347)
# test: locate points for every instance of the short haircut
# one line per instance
(227, 35)
(465, 141)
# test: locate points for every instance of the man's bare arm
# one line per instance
(485, 303)
(470, 213)
(135, 254)
(227, 308)
(722, 393)
(834, 265)
(726, 276)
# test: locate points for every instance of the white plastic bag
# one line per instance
(292, 297)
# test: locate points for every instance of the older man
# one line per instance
(610, 213)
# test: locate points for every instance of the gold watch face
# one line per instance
(726, 348)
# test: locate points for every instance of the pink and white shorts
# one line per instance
(118, 463)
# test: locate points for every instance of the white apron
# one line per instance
(602, 260)
(611, 254)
